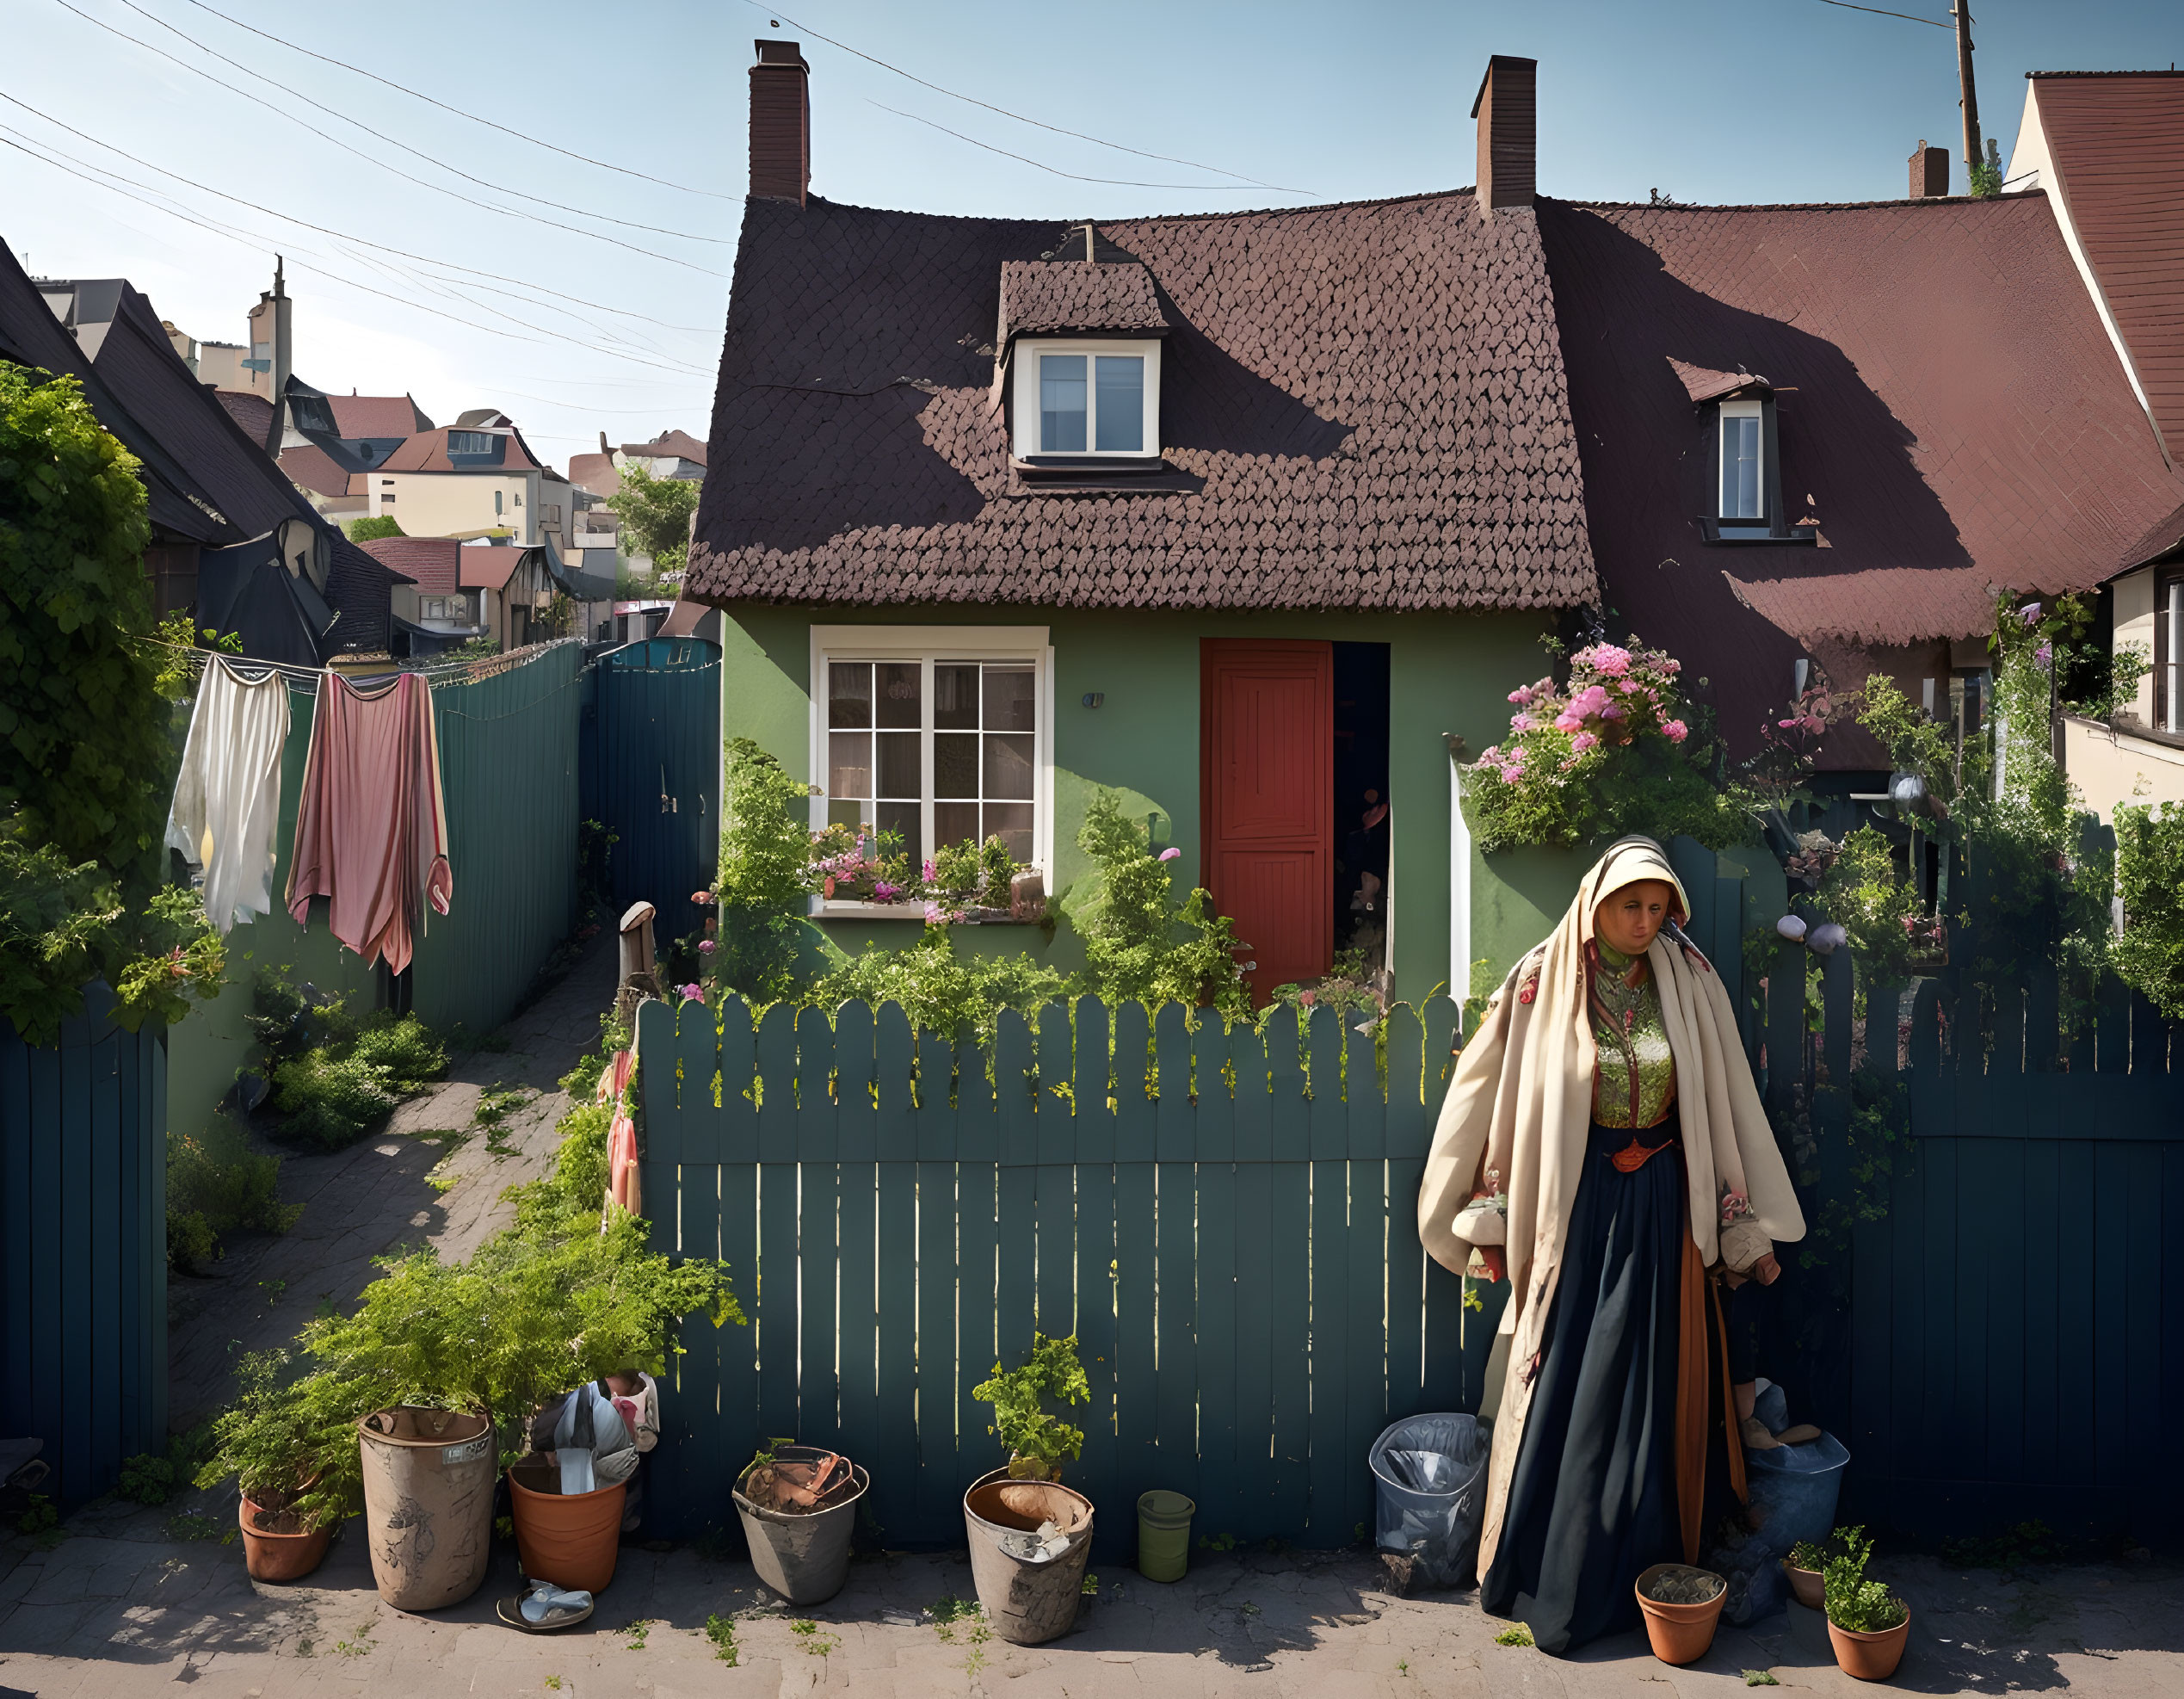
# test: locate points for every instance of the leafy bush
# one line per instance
(1039, 1444)
(370, 528)
(656, 514)
(1883, 917)
(282, 1433)
(1138, 942)
(328, 1101)
(404, 1050)
(2150, 878)
(216, 1183)
(1854, 1603)
(765, 875)
(146, 1479)
(940, 991)
(1612, 752)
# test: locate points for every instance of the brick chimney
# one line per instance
(1929, 172)
(780, 122)
(1508, 133)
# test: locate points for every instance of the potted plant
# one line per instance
(271, 1442)
(1803, 1568)
(1681, 1606)
(799, 1507)
(1867, 1624)
(1029, 1535)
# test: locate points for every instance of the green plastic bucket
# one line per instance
(1164, 1536)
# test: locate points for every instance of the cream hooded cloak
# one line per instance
(1521, 1107)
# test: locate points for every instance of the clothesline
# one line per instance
(443, 672)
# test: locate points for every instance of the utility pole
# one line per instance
(1974, 156)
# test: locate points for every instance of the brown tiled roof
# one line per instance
(427, 452)
(1949, 409)
(1364, 404)
(676, 442)
(594, 473)
(316, 470)
(486, 566)
(253, 412)
(1038, 297)
(377, 416)
(1702, 384)
(433, 564)
(2116, 142)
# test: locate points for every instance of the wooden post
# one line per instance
(1973, 156)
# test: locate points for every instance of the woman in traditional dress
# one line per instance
(1603, 1143)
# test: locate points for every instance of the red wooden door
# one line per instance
(1267, 789)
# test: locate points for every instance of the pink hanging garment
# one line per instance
(372, 825)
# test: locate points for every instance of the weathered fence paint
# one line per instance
(1240, 1265)
(82, 1238)
(652, 772)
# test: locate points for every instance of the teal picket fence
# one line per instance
(1226, 1220)
(83, 1245)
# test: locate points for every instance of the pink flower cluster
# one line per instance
(1615, 694)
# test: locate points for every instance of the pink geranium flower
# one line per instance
(1607, 659)
(1521, 722)
(1169, 854)
(1675, 730)
(1522, 695)
(694, 994)
(1584, 741)
(707, 947)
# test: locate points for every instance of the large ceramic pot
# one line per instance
(570, 1539)
(1870, 1656)
(1679, 1633)
(429, 1478)
(276, 1546)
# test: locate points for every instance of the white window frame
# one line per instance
(928, 646)
(1024, 358)
(1741, 410)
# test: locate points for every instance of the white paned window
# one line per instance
(469, 443)
(1743, 487)
(941, 734)
(2173, 667)
(1088, 397)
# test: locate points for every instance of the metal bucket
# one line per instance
(428, 1479)
(1026, 1603)
(805, 1559)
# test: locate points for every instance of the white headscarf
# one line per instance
(1521, 1107)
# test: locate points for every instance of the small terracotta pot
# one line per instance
(570, 1540)
(1805, 1583)
(273, 1553)
(1870, 1656)
(1680, 1633)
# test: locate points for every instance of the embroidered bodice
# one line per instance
(1636, 1080)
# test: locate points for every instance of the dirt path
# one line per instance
(434, 1175)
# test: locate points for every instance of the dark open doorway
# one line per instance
(1361, 806)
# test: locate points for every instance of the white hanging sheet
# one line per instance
(228, 799)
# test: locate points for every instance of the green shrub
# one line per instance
(2150, 878)
(940, 991)
(1039, 1444)
(372, 527)
(146, 1479)
(1854, 1603)
(216, 1184)
(330, 1102)
(764, 876)
(1139, 942)
(405, 1049)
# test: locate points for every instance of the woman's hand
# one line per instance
(1766, 1270)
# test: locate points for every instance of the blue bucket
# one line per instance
(1794, 1489)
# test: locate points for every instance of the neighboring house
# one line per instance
(471, 480)
(330, 444)
(1235, 516)
(2107, 150)
(460, 591)
(233, 541)
(672, 454)
(1836, 433)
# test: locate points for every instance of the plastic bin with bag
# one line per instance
(1429, 1493)
(1794, 1492)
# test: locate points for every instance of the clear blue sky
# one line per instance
(1707, 99)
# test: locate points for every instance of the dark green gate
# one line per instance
(652, 771)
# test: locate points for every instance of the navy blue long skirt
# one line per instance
(1592, 1500)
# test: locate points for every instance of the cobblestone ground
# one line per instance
(120, 1608)
(434, 1175)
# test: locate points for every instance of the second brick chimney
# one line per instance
(1929, 172)
(1508, 133)
(780, 122)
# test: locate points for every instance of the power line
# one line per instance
(1079, 135)
(1908, 17)
(413, 94)
(1055, 171)
(417, 153)
(370, 159)
(324, 230)
(257, 243)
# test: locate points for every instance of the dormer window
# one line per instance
(469, 443)
(1743, 483)
(1091, 398)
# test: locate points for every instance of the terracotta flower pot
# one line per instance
(1805, 1583)
(570, 1540)
(1870, 1656)
(275, 1547)
(1680, 1633)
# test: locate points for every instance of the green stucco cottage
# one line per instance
(1244, 516)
